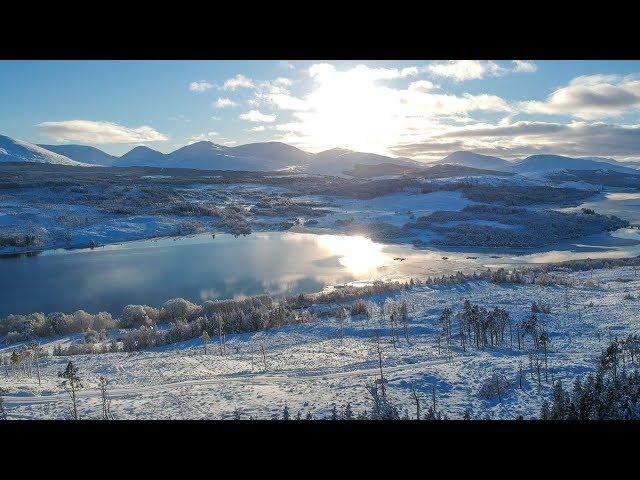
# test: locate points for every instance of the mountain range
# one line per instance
(269, 156)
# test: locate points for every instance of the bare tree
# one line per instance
(3, 412)
(106, 402)
(264, 356)
(433, 396)
(221, 336)
(205, 340)
(71, 384)
(416, 398)
(379, 351)
(36, 355)
(404, 316)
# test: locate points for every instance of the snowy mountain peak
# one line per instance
(12, 150)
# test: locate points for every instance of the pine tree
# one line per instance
(71, 384)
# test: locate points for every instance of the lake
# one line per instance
(202, 267)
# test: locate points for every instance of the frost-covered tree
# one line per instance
(3, 412)
(205, 340)
(71, 384)
(104, 397)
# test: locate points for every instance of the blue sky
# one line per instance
(420, 109)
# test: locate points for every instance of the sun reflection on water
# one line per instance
(358, 254)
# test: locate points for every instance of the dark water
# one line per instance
(204, 268)
(197, 268)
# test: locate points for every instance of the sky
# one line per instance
(418, 109)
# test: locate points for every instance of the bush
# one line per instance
(139, 315)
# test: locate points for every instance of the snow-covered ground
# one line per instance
(310, 367)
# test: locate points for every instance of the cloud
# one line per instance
(239, 81)
(522, 139)
(200, 86)
(259, 128)
(202, 137)
(461, 70)
(256, 116)
(179, 118)
(88, 131)
(283, 81)
(523, 66)
(358, 109)
(224, 102)
(287, 65)
(591, 97)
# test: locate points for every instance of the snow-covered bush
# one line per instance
(494, 387)
(139, 315)
(178, 308)
(38, 324)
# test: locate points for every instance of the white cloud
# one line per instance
(256, 116)
(224, 102)
(461, 70)
(239, 81)
(283, 81)
(591, 97)
(200, 86)
(88, 131)
(521, 139)
(179, 117)
(524, 66)
(358, 109)
(209, 136)
(259, 128)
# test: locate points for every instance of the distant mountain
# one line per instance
(476, 160)
(83, 153)
(277, 153)
(140, 156)
(339, 160)
(550, 163)
(12, 150)
(209, 156)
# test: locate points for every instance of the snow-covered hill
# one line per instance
(83, 154)
(476, 160)
(140, 156)
(550, 163)
(12, 150)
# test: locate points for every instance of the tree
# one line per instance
(404, 317)
(416, 398)
(35, 348)
(379, 351)
(205, 340)
(106, 403)
(3, 412)
(71, 384)
(264, 356)
(285, 413)
(221, 335)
